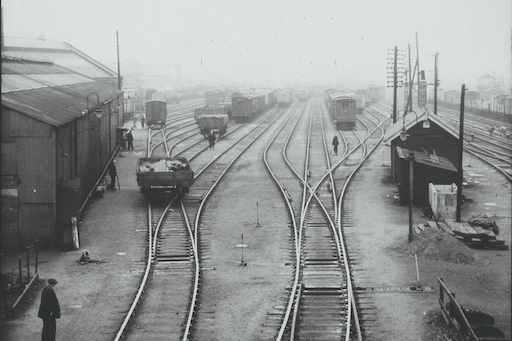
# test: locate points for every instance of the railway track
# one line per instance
(321, 298)
(173, 264)
(321, 303)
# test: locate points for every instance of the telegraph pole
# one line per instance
(418, 65)
(461, 150)
(395, 80)
(118, 64)
(436, 83)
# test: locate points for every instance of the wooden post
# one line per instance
(411, 191)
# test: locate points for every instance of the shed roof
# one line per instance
(425, 159)
(62, 54)
(410, 120)
(48, 92)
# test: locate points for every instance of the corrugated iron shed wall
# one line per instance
(37, 221)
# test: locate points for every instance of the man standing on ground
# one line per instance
(129, 138)
(49, 310)
(113, 173)
(211, 139)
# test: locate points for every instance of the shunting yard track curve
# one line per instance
(178, 247)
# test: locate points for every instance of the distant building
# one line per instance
(452, 96)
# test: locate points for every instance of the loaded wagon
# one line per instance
(217, 109)
(156, 113)
(216, 124)
(164, 174)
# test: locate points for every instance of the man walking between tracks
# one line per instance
(335, 144)
(211, 139)
(49, 310)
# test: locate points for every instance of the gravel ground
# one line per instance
(378, 236)
(91, 295)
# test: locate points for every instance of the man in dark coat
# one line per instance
(211, 139)
(113, 173)
(129, 138)
(335, 144)
(49, 310)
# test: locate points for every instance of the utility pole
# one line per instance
(394, 79)
(461, 150)
(418, 65)
(436, 83)
(395, 84)
(118, 64)
(409, 97)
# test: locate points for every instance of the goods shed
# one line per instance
(428, 137)
(58, 136)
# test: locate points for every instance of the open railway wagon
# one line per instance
(164, 174)
(342, 109)
(218, 124)
(213, 109)
(156, 113)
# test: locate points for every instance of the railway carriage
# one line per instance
(156, 113)
(342, 109)
(303, 95)
(284, 97)
(360, 101)
(214, 97)
(364, 94)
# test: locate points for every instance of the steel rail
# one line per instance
(151, 256)
(142, 286)
(294, 291)
(193, 302)
(339, 219)
(290, 211)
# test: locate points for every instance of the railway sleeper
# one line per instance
(333, 262)
(173, 258)
(323, 292)
(320, 334)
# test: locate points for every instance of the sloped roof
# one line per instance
(425, 159)
(48, 92)
(410, 120)
(62, 54)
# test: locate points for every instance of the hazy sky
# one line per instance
(319, 41)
